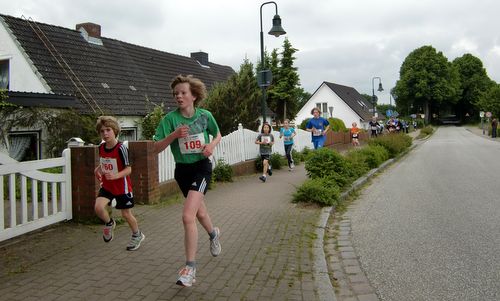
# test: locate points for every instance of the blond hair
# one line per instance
(196, 86)
(107, 121)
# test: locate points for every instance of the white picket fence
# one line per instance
(31, 199)
(238, 146)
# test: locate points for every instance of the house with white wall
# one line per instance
(92, 74)
(342, 102)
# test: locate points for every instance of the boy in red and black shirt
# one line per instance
(114, 172)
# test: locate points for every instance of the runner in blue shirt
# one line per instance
(318, 126)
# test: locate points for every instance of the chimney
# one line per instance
(91, 32)
(92, 29)
(201, 57)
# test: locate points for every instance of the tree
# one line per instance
(236, 101)
(303, 97)
(427, 79)
(151, 121)
(63, 125)
(490, 101)
(368, 98)
(382, 108)
(473, 83)
(284, 91)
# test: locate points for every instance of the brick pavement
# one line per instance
(266, 252)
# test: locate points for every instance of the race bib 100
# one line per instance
(192, 144)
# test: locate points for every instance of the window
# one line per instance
(4, 74)
(24, 146)
(323, 107)
(128, 134)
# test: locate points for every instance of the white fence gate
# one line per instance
(31, 199)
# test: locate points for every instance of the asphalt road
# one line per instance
(428, 228)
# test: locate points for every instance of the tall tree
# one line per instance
(285, 93)
(427, 80)
(303, 98)
(236, 101)
(474, 81)
(490, 100)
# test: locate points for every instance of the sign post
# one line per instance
(481, 114)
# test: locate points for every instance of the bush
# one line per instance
(359, 165)
(328, 163)
(150, 122)
(302, 125)
(277, 161)
(374, 155)
(306, 153)
(297, 157)
(420, 123)
(323, 191)
(337, 125)
(222, 172)
(393, 143)
(427, 130)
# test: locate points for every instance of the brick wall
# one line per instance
(145, 178)
(84, 184)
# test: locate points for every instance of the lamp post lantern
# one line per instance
(265, 75)
(380, 89)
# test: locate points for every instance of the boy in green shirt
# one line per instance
(187, 131)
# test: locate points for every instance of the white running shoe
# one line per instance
(135, 242)
(107, 231)
(215, 247)
(187, 276)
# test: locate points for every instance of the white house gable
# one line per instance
(331, 105)
(21, 74)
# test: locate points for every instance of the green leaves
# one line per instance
(427, 79)
(236, 101)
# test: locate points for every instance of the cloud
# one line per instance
(347, 42)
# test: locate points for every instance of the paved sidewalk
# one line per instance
(478, 131)
(266, 252)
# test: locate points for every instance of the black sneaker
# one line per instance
(262, 178)
(270, 171)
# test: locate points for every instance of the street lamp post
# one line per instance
(380, 89)
(265, 75)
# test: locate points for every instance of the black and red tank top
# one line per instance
(113, 161)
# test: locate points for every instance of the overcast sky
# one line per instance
(345, 42)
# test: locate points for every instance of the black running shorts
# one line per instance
(124, 201)
(193, 176)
